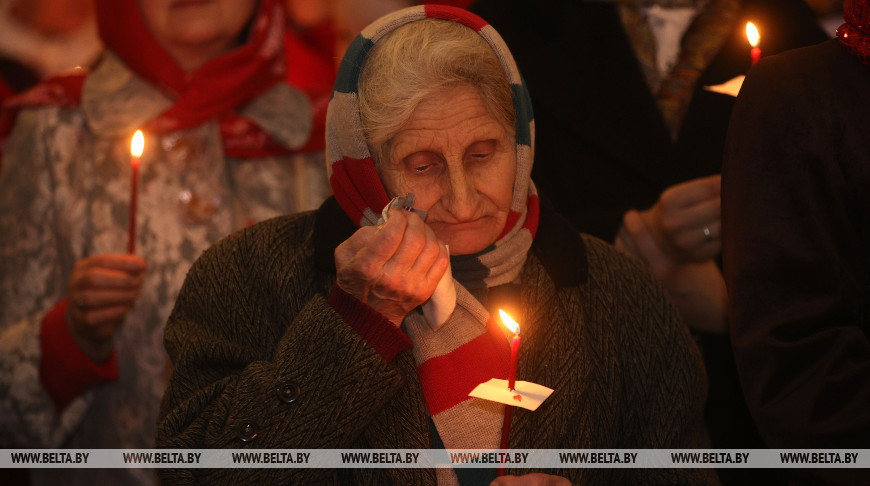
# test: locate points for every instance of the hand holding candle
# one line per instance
(136, 148)
(753, 37)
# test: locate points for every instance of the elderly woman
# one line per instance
(81, 322)
(304, 331)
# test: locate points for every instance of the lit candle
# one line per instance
(515, 346)
(752, 35)
(136, 147)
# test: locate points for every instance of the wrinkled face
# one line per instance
(459, 162)
(205, 27)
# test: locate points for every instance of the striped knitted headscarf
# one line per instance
(470, 348)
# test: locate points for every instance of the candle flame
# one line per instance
(510, 323)
(752, 34)
(138, 144)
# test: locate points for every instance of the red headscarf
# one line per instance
(213, 90)
(855, 33)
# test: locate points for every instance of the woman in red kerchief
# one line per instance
(796, 215)
(81, 322)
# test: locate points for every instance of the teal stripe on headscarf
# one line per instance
(347, 79)
(523, 109)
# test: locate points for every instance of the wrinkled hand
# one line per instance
(102, 290)
(533, 479)
(679, 218)
(394, 267)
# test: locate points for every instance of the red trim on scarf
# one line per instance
(452, 3)
(6, 90)
(512, 219)
(214, 89)
(533, 215)
(310, 68)
(531, 222)
(344, 192)
(217, 86)
(357, 186)
(309, 61)
(387, 339)
(64, 370)
(448, 12)
(61, 90)
(448, 379)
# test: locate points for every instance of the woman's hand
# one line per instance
(101, 291)
(686, 222)
(698, 289)
(533, 479)
(393, 267)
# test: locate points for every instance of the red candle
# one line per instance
(515, 347)
(512, 380)
(753, 37)
(515, 351)
(136, 147)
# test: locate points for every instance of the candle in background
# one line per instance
(136, 147)
(752, 35)
(515, 346)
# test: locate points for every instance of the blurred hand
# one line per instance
(102, 290)
(685, 221)
(533, 479)
(393, 267)
(698, 289)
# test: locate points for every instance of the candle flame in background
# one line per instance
(138, 144)
(510, 323)
(752, 34)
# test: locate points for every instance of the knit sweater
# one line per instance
(253, 321)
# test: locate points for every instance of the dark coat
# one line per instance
(253, 314)
(797, 250)
(602, 147)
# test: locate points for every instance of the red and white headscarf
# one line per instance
(352, 174)
(470, 348)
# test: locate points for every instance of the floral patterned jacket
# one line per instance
(64, 195)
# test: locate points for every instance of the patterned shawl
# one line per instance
(470, 348)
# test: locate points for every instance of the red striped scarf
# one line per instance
(470, 348)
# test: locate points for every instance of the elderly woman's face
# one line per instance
(194, 31)
(459, 162)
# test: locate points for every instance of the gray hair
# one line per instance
(423, 59)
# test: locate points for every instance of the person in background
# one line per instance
(829, 14)
(314, 339)
(318, 34)
(49, 36)
(309, 48)
(82, 363)
(14, 78)
(796, 219)
(631, 142)
(41, 38)
(351, 16)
